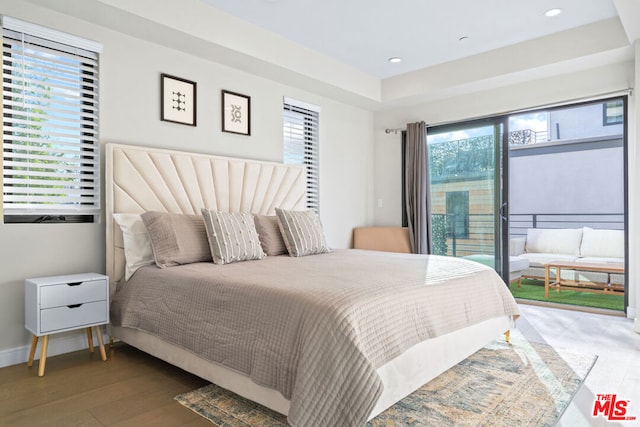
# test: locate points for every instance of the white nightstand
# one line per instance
(65, 303)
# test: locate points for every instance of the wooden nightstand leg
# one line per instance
(43, 355)
(103, 354)
(32, 351)
(90, 339)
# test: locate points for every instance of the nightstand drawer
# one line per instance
(54, 319)
(73, 293)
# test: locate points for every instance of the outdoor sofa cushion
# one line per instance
(539, 260)
(554, 241)
(602, 243)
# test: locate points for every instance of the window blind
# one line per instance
(301, 137)
(51, 164)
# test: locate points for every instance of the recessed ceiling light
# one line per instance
(553, 12)
(395, 59)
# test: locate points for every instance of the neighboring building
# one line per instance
(579, 169)
(580, 175)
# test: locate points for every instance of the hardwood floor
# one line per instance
(131, 388)
(134, 389)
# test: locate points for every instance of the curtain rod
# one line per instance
(396, 130)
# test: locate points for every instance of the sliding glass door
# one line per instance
(567, 174)
(566, 169)
(468, 192)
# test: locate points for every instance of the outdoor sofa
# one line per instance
(581, 245)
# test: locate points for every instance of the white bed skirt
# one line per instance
(401, 376)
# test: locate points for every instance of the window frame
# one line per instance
(624, 98)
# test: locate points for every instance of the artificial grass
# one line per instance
(534, 290)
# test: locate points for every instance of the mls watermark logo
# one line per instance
(611, 408)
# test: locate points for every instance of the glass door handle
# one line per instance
(503, 211)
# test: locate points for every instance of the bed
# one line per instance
(331, 338)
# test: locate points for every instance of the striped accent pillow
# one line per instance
(302, 232)
(232, 236)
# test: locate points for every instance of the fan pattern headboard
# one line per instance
(140, 179)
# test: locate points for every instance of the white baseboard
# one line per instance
(58, 344)
(632, 313)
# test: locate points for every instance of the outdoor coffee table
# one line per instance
(582, 285)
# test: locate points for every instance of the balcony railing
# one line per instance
(479, 235)
(519, 223)
(527, 136)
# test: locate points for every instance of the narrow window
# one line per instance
(613, 113)
(457, 219)
(51, 164)
(301, 129)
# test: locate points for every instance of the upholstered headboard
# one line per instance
(140, 179)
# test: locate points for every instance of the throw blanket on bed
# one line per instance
(315, 328)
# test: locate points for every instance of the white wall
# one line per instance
(634, 195)
(587, 83)
(585, 121)
(589, 181)
(130, 113)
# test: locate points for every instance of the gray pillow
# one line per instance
(302, 232)
(176, 238)
(232, 236)
(269, 234)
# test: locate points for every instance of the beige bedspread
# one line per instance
(315, 328)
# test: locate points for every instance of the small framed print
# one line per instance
(236, 113)
(178, 100)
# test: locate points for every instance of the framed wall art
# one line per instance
(177, 100)
(236, 113)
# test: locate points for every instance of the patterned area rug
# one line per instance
(517, 384)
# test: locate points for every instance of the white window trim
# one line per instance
(50, 34)
(302, 104)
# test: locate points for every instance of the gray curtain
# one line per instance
(418, 199)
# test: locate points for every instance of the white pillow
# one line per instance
(137, 246)
(554, 241)
(602, 243)
(516, 246)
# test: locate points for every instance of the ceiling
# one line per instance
(341, 50)
(366, 33)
